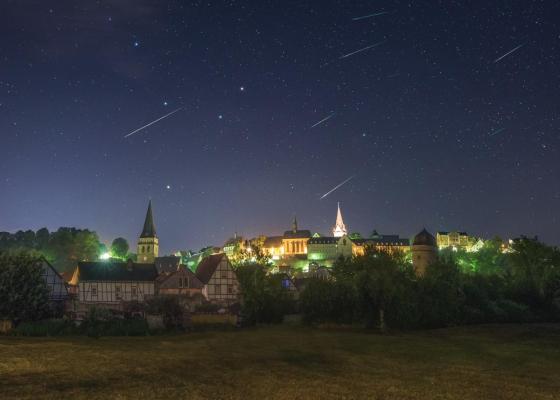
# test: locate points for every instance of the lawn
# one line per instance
(484, 362)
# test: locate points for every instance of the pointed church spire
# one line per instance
(149, 227)
(294, 225)
(339, 229)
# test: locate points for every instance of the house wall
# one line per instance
(295, 246)
(108, 292)
(55, 283)
(223, 284)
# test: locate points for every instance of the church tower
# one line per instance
(148, 243)
(339, 229)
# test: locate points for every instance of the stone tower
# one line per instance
(424, 251)
(339, 228)
(148, 243)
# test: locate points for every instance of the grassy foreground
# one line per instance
(498, 362)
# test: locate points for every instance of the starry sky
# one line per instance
(434, 126)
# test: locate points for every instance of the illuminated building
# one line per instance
(273, 247)
(424, 251)
(455, 240)
(386, 243)
(148, 243)
(339, 229)
(325, 250)
(234, 244)
(295, 241)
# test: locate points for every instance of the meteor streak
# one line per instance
(153, 122)
(323, 120)
(370, 15)
(509, 52)
(359, 51)
(336, 187)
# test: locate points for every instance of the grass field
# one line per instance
(485, 362)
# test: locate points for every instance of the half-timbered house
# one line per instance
(219, 279)
(56, 285)
(181, 282)
(111, 283)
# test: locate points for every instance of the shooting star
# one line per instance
(370, 15)
(496, 132)
(336, 187)
(509, 52)
(359, 51)
(323, 120)
(153, 122)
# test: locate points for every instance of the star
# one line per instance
(242, 88)
(220, 116)
(165, 103)
(136, 44)
(168, 187)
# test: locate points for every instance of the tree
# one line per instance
(377, 278)
(264, 298)
(355, 235)
(535, 269)
(119, 248)
(23, 291)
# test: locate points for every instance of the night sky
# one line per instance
(434, 130)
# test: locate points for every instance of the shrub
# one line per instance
(47, 327)
(170, 308)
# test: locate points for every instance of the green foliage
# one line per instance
(23, 292)
(325, 301)
(119, 248)
(102, 322)
(47, 327)
(63, 248)
(170, 308)
(264, 298)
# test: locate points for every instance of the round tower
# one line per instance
(424, 251)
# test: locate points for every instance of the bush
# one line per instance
(327, 301)
(47, 327)
(170, 308)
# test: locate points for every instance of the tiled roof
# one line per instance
(299, 234)
(116, 271)
(167, 264)
(208, 266)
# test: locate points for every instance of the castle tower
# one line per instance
(339, 229)
(148, 243)
(424, 251)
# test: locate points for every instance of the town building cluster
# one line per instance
(209, 276)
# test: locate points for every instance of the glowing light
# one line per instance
(105, 256)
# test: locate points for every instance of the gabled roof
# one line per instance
(300, 234)
(194, 282)
(116, 271)
(208, 266)
(272, 241)
(424, 238)
(167, 264)
(149, 226)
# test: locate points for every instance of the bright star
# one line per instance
(242, 88)
(165, 103)
(168, 187)
(220, 116)
(136, 44)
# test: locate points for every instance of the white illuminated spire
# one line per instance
(339, 229)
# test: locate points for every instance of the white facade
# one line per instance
(339, 229)
(223, 284)
(114, 292)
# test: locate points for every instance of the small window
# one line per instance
(118, 292)
(133, 291)
(230, 289)
(94, 291)
(224, 275)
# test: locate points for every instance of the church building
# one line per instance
(339, 228)
(148, 243)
